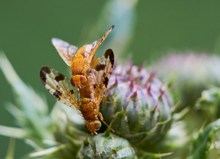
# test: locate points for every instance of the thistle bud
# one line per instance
(137, 105)
(192, 73)
(105, 146)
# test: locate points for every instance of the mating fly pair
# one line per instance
(90, 75)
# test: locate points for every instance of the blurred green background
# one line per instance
(151, 28)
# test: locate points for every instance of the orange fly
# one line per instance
(89, 79)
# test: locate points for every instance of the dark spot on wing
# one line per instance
(57, 86)
(95, 86)
(71, 91)
(100, 67)
(59, 77)
(44, 70)
(42, 77)
(106, 81)
(109, 54)
(57, 94)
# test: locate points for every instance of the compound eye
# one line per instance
(97, 124)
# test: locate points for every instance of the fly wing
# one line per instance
(104, 69)
(59, 87)
(91, 49)
(65, 50)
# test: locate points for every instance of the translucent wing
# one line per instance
(65, 50)
(91, 49)
(104, 69)
(59, 87)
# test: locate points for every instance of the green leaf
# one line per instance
(12, 132)
(202, 143)
(210, 102)
(46, 152)
(143, 155)
(11, 147)
(30, 110)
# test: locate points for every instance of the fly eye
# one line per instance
(97, 124)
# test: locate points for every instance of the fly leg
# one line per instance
(102, 119)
